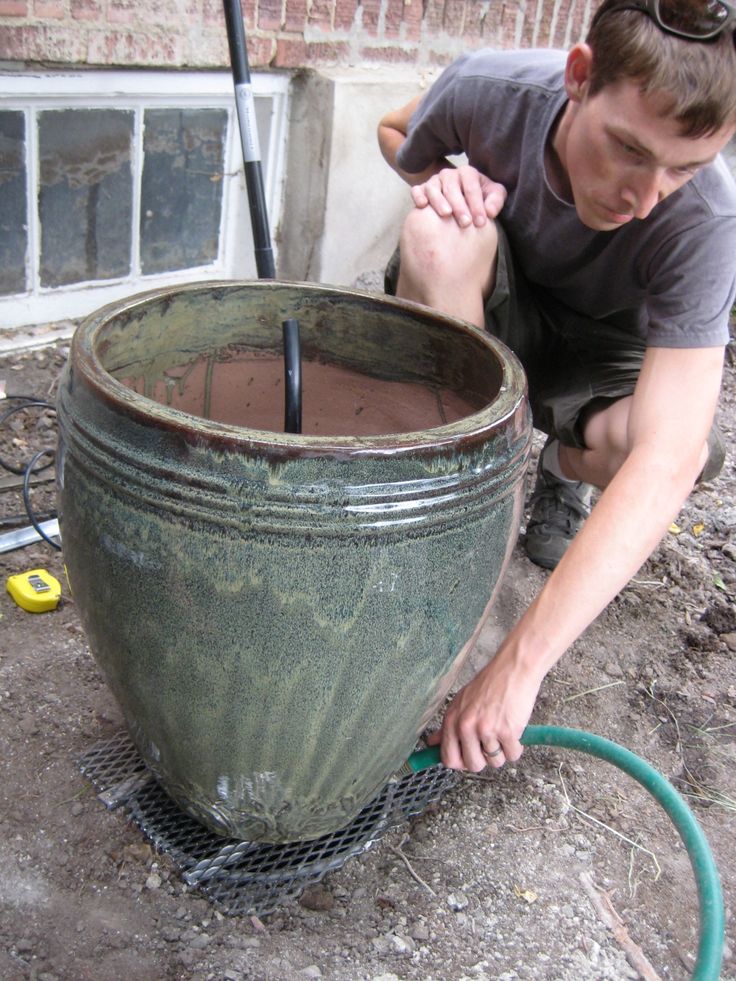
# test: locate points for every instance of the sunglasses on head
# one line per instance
(695, 20)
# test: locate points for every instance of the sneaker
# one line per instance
(558, 510)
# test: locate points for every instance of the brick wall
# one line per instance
(281, 33)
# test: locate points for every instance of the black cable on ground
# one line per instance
(27, 470)
(28, 403)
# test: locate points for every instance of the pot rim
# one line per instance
(467, 430)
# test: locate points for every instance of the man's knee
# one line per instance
(606, 435)
(437, 250)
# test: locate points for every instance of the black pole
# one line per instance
(293, 377)
(245, 106)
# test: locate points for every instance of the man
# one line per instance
(594, 231)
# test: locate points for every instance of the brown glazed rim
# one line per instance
(463, 434)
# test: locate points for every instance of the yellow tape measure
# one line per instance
(36, 591)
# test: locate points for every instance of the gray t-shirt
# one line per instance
(670, 278)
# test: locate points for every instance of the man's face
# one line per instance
(622, 156)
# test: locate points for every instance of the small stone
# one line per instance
(24, 945)
(153, 881)
(170, 934)
(729, 640)
(613, 669)
(401, 944)
(420, 931)
(310, 972)
(729, 550)
(200, 942)
(317, 898)
(457, 901)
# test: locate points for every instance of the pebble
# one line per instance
(729, 640)
(729, 551)
(457, 901)
(420, 931)
(401, 945)
(153, 881)
(311, 972)
(77, 809)
(317, 898)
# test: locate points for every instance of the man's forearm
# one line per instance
(390, 141)
(623, 529)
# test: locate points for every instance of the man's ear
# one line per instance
(577, 71)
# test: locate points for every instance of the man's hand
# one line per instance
(488, 714)
(462, 192)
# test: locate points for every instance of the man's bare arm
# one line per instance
(671, 414)
(392, 132)
(462, 192)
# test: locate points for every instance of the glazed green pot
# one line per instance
(280, 616)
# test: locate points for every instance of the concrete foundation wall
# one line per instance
(344, 205)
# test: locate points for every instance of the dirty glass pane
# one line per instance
(85, 194)
(181, 194)
(13, 229)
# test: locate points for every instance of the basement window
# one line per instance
(116, 182)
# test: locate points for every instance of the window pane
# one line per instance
(85, 194)
(181, 194)
(13, 228)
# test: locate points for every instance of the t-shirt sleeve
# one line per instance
(693, 286)
(433, 132)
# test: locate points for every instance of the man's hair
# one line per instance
(696, 80)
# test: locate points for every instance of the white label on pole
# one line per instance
(246, 108)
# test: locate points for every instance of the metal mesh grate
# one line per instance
(242, 877)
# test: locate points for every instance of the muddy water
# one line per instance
(246, 388)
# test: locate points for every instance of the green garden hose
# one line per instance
(712, 920)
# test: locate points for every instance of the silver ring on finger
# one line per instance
(494, 752)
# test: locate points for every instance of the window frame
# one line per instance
(34, 92)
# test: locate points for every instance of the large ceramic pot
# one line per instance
(279, 616)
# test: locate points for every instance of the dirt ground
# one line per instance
(509, 876)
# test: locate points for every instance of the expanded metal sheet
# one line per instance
(242, 877)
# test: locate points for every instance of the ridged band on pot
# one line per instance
(280, 615)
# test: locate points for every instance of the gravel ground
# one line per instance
(559, 867)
